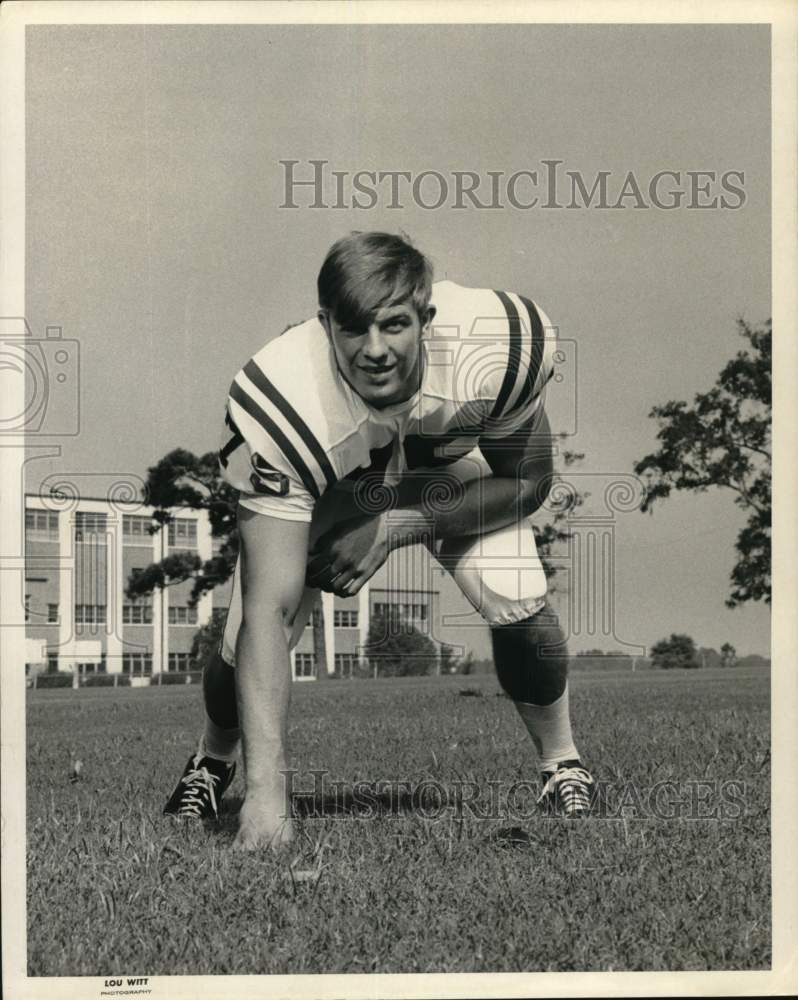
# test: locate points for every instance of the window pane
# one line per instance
(136, 525)
(42, 522)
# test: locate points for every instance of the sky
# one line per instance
(156, 237)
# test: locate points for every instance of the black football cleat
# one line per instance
(568, 792)
(200, 789)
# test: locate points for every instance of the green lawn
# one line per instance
(401, 886)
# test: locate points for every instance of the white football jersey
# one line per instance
(294, 427)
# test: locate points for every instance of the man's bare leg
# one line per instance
(211, 768)
(261, 682)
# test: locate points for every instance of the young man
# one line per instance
(339, 436)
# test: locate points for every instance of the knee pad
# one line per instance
(219, 691)
(531, 658)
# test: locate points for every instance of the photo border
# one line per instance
(782, 979)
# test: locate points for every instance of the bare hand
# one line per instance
(263, 824)
(348, 555)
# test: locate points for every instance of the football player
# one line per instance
(338, 433)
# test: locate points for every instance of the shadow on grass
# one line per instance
(342, 802)
(375, 806)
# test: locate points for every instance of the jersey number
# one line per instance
(267, 479)
(233, 443)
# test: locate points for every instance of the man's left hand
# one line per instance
(348, 555)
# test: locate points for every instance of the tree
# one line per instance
(396, 648)
(183, 480)
(553, 533)
(724, 440)
(466, 664)
(678, 651)
(207, 638)
(446, 659)
(728, 655)
(709, 657)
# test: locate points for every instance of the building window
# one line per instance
(183, 533)
(27, 607)
(388, 610)
(345, 619)
(137, 614)
(52, 614)
(136, 526)
(409, 611)
(42, 524)
(138, 664)
(52, 662)
(89, 523)
(345, 664)
(90, 668)
(90, 614)
(304, 665)
(180, 661)
(182, 616)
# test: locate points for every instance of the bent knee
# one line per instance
(531, 658)
(538, 638)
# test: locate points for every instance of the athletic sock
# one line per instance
(218, 743)
(550, 729)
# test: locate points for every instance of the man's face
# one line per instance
(381, 362)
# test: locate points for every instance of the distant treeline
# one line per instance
(594, 659)
(614, 660)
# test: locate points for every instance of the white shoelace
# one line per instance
(572, 783)
(198, 782)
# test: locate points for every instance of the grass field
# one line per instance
(400, 885)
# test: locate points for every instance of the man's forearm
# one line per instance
(486, 504)
(263, 688)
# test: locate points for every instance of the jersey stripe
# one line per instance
(513, 357)
(261, 382)
(292, 455)
(527, 392)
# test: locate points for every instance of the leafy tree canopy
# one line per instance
(207, 638)
(184, 480)
(677, 652)
(723, 439)
(728, 655)
(398, 649)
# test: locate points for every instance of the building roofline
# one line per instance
(403, 590)
(138, 504)
(64, 496)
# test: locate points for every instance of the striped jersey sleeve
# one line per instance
(269, 453)
(520, 384)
